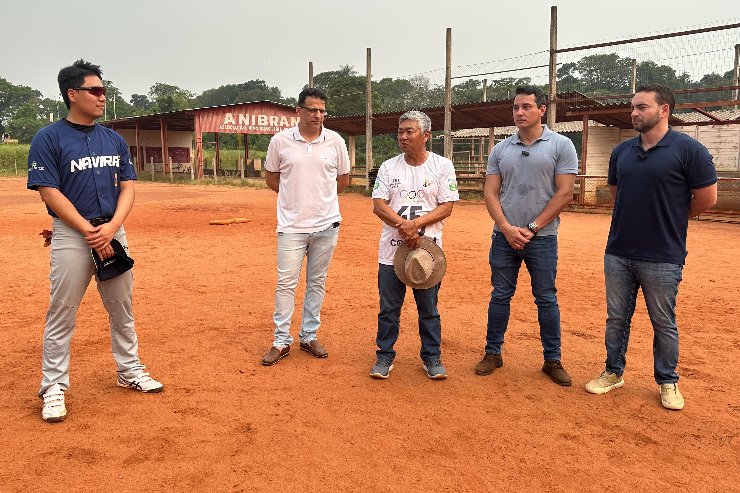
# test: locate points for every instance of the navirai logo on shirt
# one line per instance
(453, 185)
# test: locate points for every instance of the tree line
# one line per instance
(24, 110)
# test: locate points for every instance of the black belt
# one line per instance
(97, 221)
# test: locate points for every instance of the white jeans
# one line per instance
(317, 248)
(71, 270)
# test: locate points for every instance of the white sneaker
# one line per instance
(671, 397)
(141, 382)
(54, 409)
(607, 381)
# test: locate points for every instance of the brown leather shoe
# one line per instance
(555, 371)
(488, 364)
(314, 349)
(275, 354)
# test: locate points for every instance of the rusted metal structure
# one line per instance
(260, 117)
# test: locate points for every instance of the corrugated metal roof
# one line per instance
(560, 127)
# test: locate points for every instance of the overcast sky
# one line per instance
(198, 45)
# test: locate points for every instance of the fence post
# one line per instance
(151, 160)
(241, 167)
(170, 159)
(15, 163)
(215, 175)
(192, 166)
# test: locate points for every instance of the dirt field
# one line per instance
(203, 304)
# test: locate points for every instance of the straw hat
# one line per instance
(422, 267)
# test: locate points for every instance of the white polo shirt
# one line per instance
(307, 198)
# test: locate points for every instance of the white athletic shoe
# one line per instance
(141, 382)
(54, 410)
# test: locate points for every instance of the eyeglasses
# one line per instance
(96, 91)
(320, 111)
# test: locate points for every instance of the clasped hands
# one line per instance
(409, 231)
(517, 236)
(99, 237)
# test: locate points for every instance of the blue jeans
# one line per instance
(540, 256)
(317, 248)
(392, 292)
(659, 283)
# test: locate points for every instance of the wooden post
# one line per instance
(551, 107)
(448, 95)
(368, 120)
(198, 147)
(485, 90)
(152, 161)
(491, 139)
(217, 157)
(165, 145)
(352, 149)
(246, 150)
(584, 159)
(310, 74)
(736, 71)
(169, 160)
(15, 163)
(215, 175)
(139, 165)
(241, 167)
(634, 75)
(192, 168)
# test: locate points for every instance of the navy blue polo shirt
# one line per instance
(87, 167)
(651, 210)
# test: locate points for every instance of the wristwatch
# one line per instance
(533, 227)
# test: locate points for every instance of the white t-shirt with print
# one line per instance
(307, 199)
(412, 191)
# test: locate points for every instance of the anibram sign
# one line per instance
(259, 118)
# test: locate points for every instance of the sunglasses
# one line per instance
(96, 91)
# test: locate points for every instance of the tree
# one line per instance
(167, 97)
(141, 104)
(253, 90)
(12, 97)
(26, 121)
(345, 91)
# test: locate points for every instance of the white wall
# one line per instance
(722, 141)
(153, 138)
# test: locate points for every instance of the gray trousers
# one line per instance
(72, 268)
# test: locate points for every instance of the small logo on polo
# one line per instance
(453, 185)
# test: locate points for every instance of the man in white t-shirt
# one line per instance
(307, 165)
(413, 193)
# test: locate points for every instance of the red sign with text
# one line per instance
(257, 118)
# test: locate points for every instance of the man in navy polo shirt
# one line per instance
(659, 180)
(84, 175)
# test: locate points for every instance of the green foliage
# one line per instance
(253, 90)
(167, 97)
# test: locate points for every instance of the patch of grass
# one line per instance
(12, 155)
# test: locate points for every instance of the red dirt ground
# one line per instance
(203, 304)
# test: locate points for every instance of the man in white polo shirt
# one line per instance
(307, 165)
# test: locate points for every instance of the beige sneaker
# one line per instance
(671, 397)
(607, 381)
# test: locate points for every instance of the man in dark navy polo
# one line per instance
(84, 175)
(659, 180)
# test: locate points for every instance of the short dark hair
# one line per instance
(663, 95)
(74, 76)
(311, 92)
(529, 90)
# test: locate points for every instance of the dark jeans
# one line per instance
(392, 293)
(540, 256)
